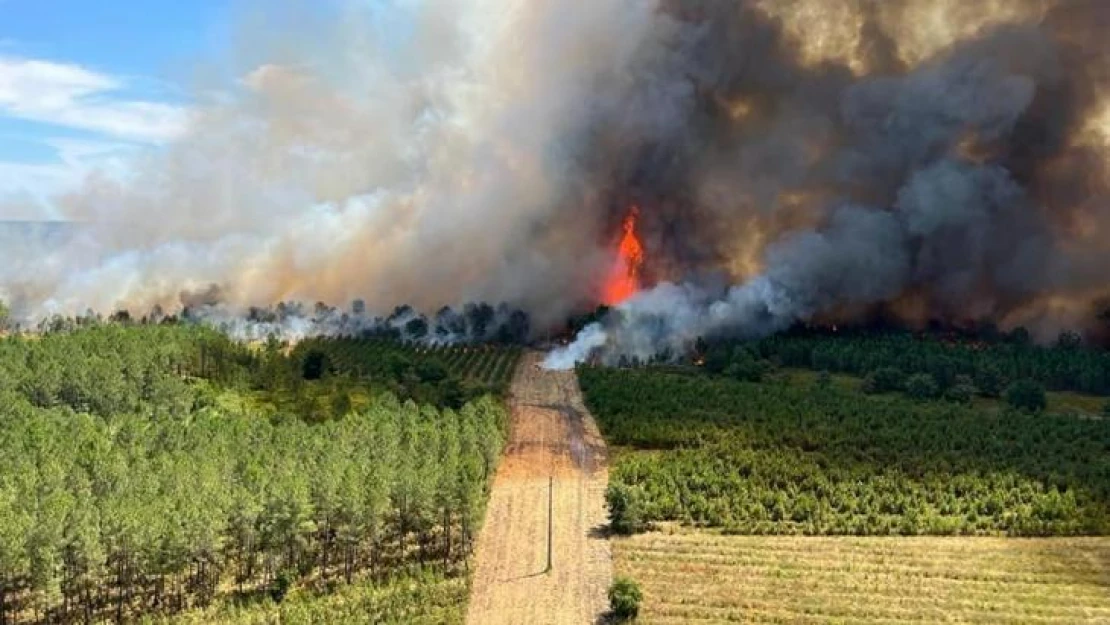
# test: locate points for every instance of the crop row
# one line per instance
(705, 577)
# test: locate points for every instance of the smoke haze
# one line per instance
(937, 160)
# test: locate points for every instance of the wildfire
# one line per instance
(624, 277)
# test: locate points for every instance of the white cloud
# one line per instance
(75, 97)
(37, 180)
(75, 159)
(24, 207)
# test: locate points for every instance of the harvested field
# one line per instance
(553, 438)
(702, 577)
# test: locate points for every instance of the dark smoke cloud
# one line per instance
(935, 179)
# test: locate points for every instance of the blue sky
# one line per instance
(84, 83)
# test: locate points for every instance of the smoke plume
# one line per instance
(791, 159)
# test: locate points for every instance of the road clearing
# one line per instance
(556, 451)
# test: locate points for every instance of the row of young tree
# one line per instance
(748, 362)
(818, 459)
(988, 366)
(447, 375)
(139, 478)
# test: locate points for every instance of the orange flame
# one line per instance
(624, 277)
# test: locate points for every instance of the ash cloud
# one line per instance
(933, 159)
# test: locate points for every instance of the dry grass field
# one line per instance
(689, 576)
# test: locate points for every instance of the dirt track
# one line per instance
(553, 436)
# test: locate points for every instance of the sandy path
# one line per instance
(553, 437)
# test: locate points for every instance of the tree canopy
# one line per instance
(149, 468)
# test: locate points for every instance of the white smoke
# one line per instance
(433, 162)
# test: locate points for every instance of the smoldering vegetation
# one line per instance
(931, 161)
(292, 322)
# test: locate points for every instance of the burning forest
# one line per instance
(705, 168)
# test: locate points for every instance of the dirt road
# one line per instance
(553, 437)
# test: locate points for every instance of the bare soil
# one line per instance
(554, 443)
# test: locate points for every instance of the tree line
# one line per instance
(986, 363)
(475, 322)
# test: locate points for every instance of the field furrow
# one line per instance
(691, 576)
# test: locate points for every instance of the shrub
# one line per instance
(989, 381)
(1026, 395)
(625, 598)
(626, 509)
(922, 386)
(963, 380)
(823, 380)
(747, 370)
(281, 585)
(717, 358)
(960, 393)
(884, 380)
(431, 370)
(315, 365)
(746, 366)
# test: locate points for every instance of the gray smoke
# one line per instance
(929, 159)
(955, 229)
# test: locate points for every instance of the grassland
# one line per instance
(692, 576)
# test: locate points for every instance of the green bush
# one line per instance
(315, 365)
(624, 598)
(747, 370)
(1026, 395)
(281, 585)
(989, 381)
(922, 387)
(626, 509)
(960, 393)
(431, 370)
(884, 380)
(823, 380)
(743, 364)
